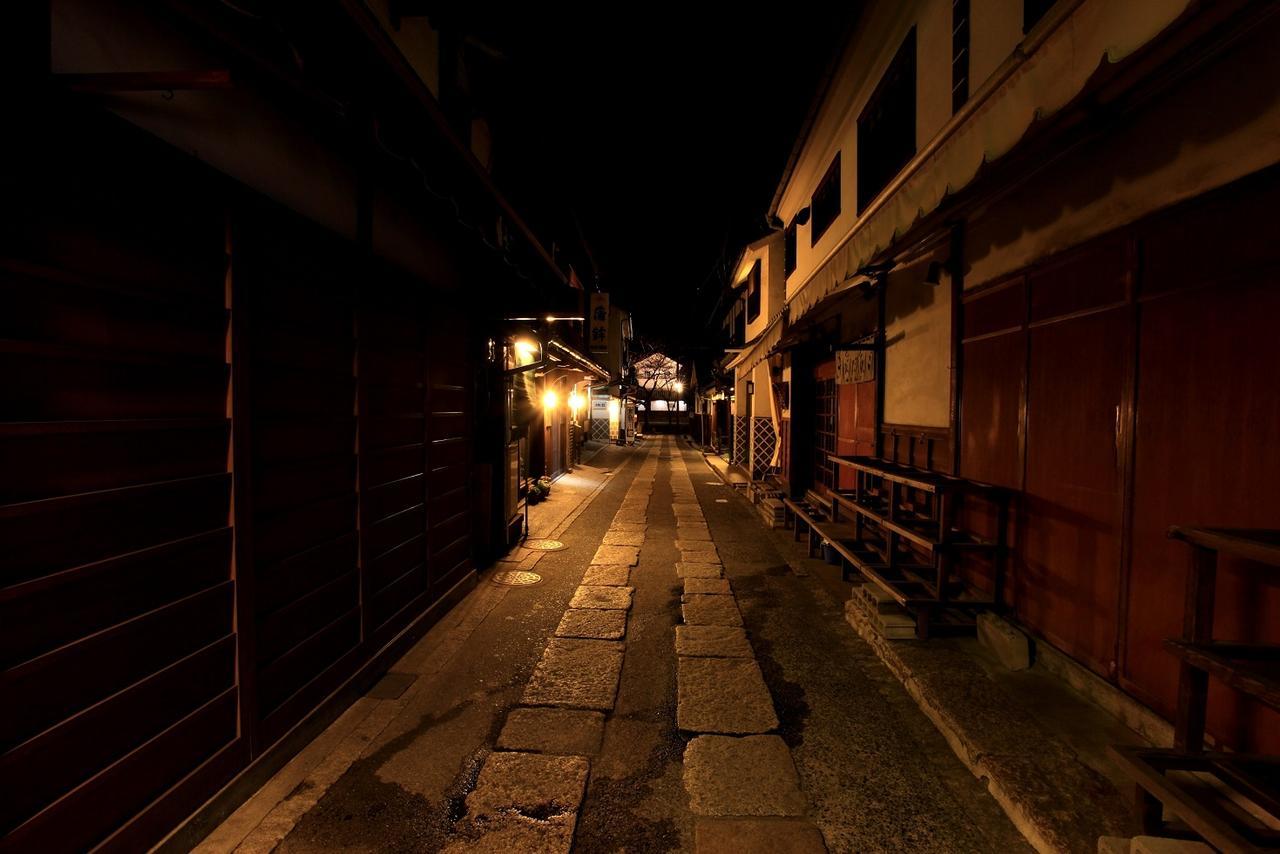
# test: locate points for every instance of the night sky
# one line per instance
(659, 137)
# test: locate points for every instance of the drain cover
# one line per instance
(516, 578)
(544, 545)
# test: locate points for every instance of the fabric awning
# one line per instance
(1038, 80)
(565, 353)
(759, 348)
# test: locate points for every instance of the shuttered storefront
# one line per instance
(236, 461)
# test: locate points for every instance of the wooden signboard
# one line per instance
(855, 366)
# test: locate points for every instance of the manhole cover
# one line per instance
(516, 578)
(545, 545)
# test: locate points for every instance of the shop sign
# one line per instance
(598, 327)
(855, 366)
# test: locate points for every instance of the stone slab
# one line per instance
(1053, 799)
(628, 517)
(1162, 845)
(712, 642)
(710, 610)
(709, 586)
(628, 526)
(628, 555)
(694, 544)
(536, 785)
(611, 575)
(510, 833)
(1011, 646)
(391, 686)
(698, 570)
(700, 555)
(752, 776)
(592, 623)
(756, 836)
(722, 695)
(690, 534)
(568, 732)
(624, 538)
(601, 596)
(579, 674)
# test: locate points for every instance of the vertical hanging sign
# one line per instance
(598, 328)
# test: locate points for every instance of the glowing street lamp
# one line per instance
(679, 388)
(575, 403)
(550, 399)
(526, 350)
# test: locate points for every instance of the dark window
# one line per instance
(887, 125)
(959, 53)
(739, 325)
(825, 205)
(753, 292)
(789, 250)
(1033, 11)
(824, 440)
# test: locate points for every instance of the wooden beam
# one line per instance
(146, 81)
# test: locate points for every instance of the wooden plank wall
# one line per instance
(1123, 387)
(236, 459)
(116, 593)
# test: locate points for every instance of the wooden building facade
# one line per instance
(252, 434)
(1065, 287)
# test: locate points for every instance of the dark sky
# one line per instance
(663, 132)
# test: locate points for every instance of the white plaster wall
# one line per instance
(917, 386)
(933, 69)
(995, 29)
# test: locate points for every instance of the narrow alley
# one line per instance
(456, 427)
(622, 704)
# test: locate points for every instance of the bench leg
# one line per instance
(922, 622)
(1149, 812)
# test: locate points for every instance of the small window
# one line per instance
(959, 54)
(825, 204)
(789, 250)
(887, 125)
(1033, 11)
(753, 292)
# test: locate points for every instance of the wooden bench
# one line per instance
(803, 515)
(1200, 789)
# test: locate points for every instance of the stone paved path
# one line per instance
(527, 799)
(677, 683)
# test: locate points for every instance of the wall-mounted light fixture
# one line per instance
(575, 403)
(679, 388)
(751, 387)
(550, 399)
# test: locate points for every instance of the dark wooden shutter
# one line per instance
(117, 652)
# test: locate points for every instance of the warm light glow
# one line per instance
(575, 402)
(550, 399)
(525, 350)
(679, 388)
(614, 407)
